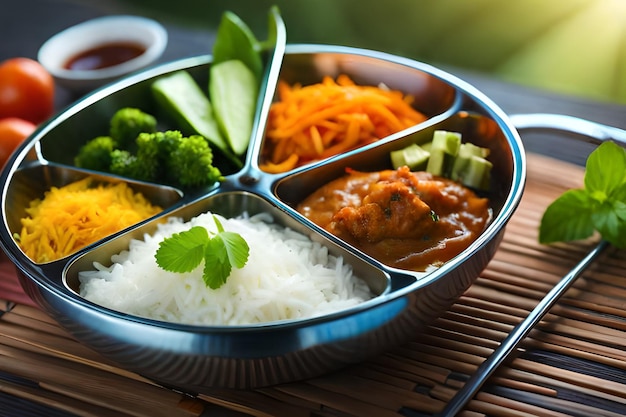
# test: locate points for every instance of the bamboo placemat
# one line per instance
(573, 363)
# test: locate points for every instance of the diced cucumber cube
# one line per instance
(444, 149)
(413, 156)
(475, 173)
(466, 152)
(468, 149)
(428, 146)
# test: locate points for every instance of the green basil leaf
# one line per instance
(619, 194)
(620, 209)
(610, 220)
(605, 169)
(568, 218)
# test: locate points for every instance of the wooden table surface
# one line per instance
(29, 22)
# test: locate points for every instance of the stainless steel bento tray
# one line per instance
(198, 358)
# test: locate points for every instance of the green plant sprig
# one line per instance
(599, 206)
(183, 252)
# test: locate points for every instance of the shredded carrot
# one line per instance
(284, 166)
(317, 121)
(71, 217)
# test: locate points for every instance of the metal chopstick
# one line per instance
(508, 345)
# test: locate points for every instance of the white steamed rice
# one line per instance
(287, 276)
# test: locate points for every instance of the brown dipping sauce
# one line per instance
(404, 219)
(104, 56)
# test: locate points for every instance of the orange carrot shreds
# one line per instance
(320, 120)
(287, 165)
(71, 217)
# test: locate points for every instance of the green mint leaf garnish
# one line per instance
(217, 268)
(183, 252)
(236, 248)
(599, 206)
(218, 224)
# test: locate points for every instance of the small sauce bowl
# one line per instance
(99, 51)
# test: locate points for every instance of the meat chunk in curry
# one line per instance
(404, 219)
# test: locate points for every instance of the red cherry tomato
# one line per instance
(26, 90)
(13, 131)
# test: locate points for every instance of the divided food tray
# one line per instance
(197, 358)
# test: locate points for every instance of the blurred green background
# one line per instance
(575, 47)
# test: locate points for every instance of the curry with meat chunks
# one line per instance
(404, 219)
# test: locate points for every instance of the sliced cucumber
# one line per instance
(180, 95)
(233, 89)
(235, 41)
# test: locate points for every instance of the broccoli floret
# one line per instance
(165, 156)
(153, 150)
(190, 164)
(184, 161)
(122, 163)
(149, 153)
(139, 167)
(168, 141)
(127, 123)
(96, 154)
